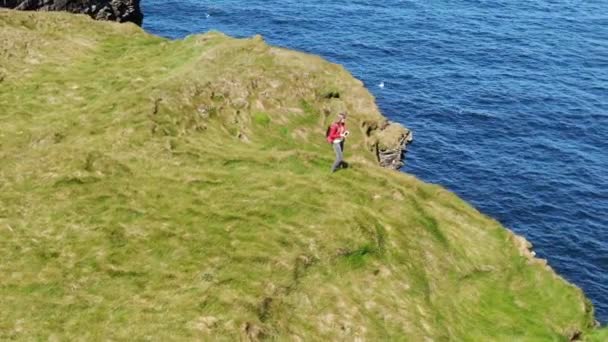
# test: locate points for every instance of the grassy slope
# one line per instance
(180, 189)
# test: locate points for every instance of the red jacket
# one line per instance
(335, 131)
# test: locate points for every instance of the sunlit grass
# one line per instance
(170, 190)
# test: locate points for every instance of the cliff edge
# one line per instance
(180, 190)
(114, 10)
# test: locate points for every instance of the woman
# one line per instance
(336, 136)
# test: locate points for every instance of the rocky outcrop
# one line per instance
(114, 10)
(392, 154)
(389, 141)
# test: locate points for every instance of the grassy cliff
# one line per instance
(168, 190)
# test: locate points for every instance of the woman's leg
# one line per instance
(343, 164)
(339, 156)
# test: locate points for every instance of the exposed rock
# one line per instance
(526, 250)
(390, 141)
(393, 156)
(114, 10)
(524, 246)
(253, 332)
(575, 335)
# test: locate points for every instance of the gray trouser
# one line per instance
(339, 149)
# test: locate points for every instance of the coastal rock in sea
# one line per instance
(114, 10)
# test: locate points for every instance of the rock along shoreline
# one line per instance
(112, 10)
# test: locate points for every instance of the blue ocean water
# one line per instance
(508, 100)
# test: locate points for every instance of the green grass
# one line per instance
(598, 335)
(171, 190)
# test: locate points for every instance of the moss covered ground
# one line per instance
(170, 190)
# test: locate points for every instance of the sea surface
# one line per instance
(508, 100)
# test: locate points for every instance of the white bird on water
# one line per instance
(381, 85)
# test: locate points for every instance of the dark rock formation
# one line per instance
(389, 141)
(115, 10)
(392, 156)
